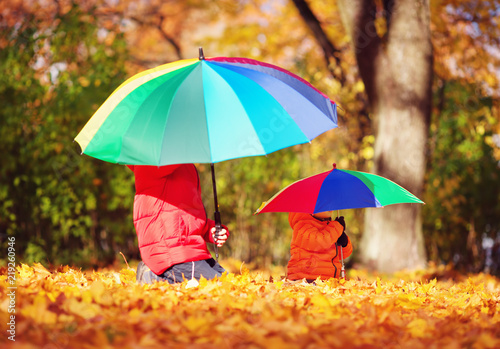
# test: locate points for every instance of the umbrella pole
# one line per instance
(342, 271)
(218, 224)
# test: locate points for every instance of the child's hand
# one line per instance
(221, 236)
(342, 240)
(341, 221)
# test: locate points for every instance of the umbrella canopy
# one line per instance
(338, 190)
(206, 110)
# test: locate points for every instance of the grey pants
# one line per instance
(208, 268)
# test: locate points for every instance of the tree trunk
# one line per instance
(396, 69)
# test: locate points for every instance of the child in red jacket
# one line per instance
(318, 242)
(172, 225)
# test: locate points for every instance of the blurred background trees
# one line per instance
(60, 60)
(57, 66)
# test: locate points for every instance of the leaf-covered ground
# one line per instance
(70, 308)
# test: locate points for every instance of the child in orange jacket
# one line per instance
(316, 246)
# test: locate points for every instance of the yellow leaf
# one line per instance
(85, 310)
(409, 301)
(417, 328)
(24, 271)
(52, 297)
(425, 288)
(378, 290)
(136, 312)
(195, 323)
(40, 269)
(39, 312)
(97, 289)
(320, 301)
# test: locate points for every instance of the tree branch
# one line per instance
(109, 12)
(329, 50)
(159, 26)
(168, 38)
(388, 8)
(358, 17)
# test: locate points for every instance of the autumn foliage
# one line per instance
(70, 308)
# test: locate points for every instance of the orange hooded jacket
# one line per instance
(313, 250)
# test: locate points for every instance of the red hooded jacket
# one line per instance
(169, 217)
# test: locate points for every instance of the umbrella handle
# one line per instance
(218, 225)
(342, 271)
(218, 228)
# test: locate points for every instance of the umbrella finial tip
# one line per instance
(334, 166)
(201, 55)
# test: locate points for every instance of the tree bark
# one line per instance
(397, 72)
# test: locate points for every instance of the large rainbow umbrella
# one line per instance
(338, 190)
(206, 110)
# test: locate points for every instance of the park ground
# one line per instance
(66, 307)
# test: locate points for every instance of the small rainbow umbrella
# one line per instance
(338, 190)
(206, 110)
